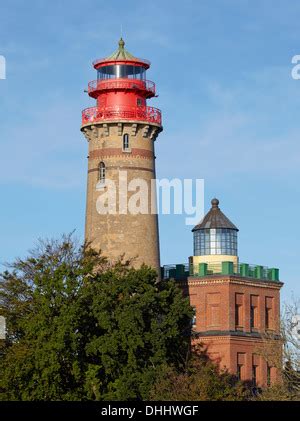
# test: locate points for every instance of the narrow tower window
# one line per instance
(126, 146)
(254, 375)
(255, 369)
(269, 313)
(194, 319)
(239, 320)
(213, 312)
(268, 375)
(254, 311)
(102, 172)
(240, 365)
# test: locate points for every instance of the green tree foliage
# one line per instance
(201, 380)
(81, 328)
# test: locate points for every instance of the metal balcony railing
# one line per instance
(144, 113)
(175, 271)
(126, 84)
(182, 271)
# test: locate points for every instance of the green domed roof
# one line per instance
(121, 53)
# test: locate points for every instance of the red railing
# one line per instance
(99, 85)
(98, 114)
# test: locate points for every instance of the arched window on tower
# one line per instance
(126, 146)
(101, 173)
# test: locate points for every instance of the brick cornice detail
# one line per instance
(226, 338)
(241, 335)
(120, 168)
(117, 152)
(261, 284)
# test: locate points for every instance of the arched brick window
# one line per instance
(126, 146)
(102, 172)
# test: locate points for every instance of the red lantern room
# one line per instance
(121, 90)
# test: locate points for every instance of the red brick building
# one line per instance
(235, 303)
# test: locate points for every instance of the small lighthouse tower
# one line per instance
(121, 130)
(237, 305)
(215, 238)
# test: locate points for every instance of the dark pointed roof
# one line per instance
(215, 219)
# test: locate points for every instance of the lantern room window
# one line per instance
(221, 241)
(121, 71)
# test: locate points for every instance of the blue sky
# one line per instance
(230, 114)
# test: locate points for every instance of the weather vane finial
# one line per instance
(121, 44)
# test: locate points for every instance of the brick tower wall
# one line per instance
(134, 235)
(215, 299)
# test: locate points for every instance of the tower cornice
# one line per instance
(95, 131)
(215, 280)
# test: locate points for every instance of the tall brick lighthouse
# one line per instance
(121, 130)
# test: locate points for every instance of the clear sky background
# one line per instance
(230, 115)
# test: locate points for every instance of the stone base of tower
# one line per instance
(122, 230)
(234, 316)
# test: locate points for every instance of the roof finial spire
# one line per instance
(215, 203)
(121, 44)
